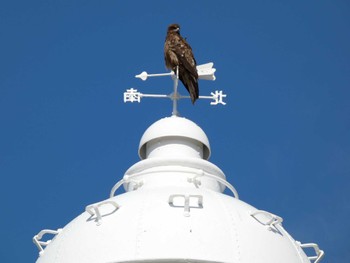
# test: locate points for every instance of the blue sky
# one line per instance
(282, 140)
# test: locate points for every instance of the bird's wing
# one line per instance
(169, 55)
(185, 56)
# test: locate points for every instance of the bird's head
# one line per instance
(174, 28)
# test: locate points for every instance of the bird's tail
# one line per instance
(191, 84)
(194, 91)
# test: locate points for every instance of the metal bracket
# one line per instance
(185, 202)
(197, 182)
(319, 253)
(272, 220)
(94, 209)
(126, 179)
(37, 238)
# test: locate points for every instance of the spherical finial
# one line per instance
(173, 136)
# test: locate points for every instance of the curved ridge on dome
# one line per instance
(174, 126)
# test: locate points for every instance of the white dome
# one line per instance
(170, 129)
(154, 225)
(173, 211)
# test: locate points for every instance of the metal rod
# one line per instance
(175, 97)
(155, 96)
(160, 74)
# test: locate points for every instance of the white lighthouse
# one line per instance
(173, 210)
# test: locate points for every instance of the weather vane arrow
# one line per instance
(205, 71)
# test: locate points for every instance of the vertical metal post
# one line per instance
(175, 96)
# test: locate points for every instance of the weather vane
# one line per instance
(180, 60)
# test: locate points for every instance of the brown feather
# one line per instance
(178, 53)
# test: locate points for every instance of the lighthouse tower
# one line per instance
(173, 210)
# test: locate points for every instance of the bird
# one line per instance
(178, 53)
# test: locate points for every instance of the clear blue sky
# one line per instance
(283, 139)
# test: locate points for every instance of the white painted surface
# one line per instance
(184, 130)
(170, 218)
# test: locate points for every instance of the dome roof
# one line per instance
(173, 211)
(174, 127)
(156, 226)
